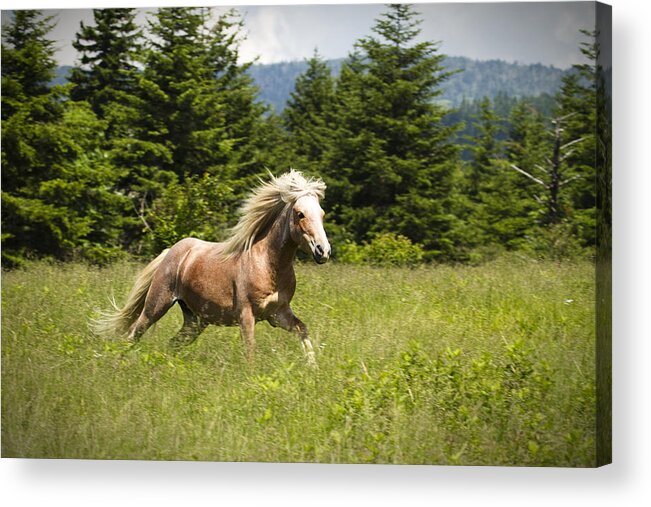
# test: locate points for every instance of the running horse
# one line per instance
(248, 278)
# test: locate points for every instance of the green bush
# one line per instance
(385, 249)
(200, 207)
(556, 242)
(484, 399)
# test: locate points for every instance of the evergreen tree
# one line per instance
(577, 101)
(57, 194)
(309, 115)
(246, 128)
(29, 106)
(485, 149)
(391, 163)
(108, 50)
(200, 103)
(554, 175)
(527, 147)
(174, 76)
(528, 140)
(28, 63)
(497, 213)
(199, 113)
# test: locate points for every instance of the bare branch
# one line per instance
(566, 155)
(567, 145)
(563, 118)
(568, 180)
(533, 178)
(537, 166)
(141, 212)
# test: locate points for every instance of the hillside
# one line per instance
(476, 79)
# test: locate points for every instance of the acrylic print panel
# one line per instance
(462, 155)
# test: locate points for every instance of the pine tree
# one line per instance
(554, 175)
(199, 116)
(309, 113)
(392, 161)
(527, 147)
(57, 194)
(200, 101)
(496, 211)
(485, 148)
(528, 140)
(173, 75)
(249, 124)
(28, 63)
(577, 104)
(29, 106)
(108, 51)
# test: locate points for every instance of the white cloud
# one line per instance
(269, 36)
(545, 32)
(282, 33)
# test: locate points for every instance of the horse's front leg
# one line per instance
(286, 319)
(247, 327)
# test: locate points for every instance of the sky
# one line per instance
(528, 32)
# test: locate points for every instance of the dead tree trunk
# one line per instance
(552, 175)
(555, 175)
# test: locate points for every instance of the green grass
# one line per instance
(488, 365)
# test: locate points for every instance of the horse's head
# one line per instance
(306, 228)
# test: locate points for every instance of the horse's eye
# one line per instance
(300, 215)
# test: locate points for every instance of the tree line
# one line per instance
(159, 133)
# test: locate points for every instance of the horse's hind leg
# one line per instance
(160, 299)
(192, 327)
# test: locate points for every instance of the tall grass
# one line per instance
(449, 365)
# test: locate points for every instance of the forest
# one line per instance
(159, 132)
(473, 80)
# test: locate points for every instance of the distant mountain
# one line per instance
(61, 76)
(477, 79)
(491, 78)
(276, 80)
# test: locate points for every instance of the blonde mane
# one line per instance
(265, 204)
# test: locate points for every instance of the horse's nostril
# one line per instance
(319, 249)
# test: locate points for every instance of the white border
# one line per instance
(626, 482)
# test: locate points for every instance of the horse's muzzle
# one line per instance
(320, 259)
(319, 254)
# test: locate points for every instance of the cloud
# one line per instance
(268, 36)
(536, 32)
(292, 32)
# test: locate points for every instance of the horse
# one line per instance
(246, 279)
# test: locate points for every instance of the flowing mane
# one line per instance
(265, 204)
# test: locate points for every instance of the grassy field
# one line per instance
(447, 365)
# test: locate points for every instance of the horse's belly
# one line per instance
(211, 306)
(211, 313)
(207, 288)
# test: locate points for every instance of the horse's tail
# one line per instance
(116, 322)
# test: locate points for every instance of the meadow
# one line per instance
(464, 365)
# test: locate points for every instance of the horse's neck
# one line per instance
(278, 246)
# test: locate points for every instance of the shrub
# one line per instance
(556, 242)
(385, 249)
(198, 207)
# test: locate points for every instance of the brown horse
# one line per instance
(248, 278)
